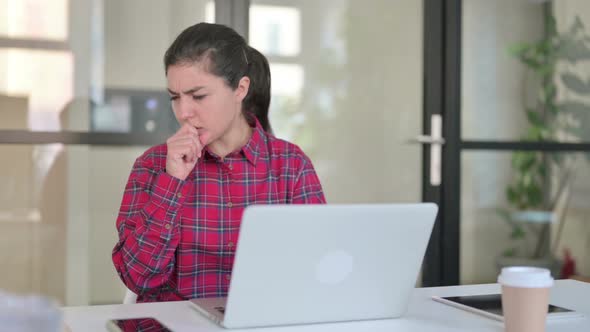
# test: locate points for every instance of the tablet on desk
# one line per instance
(490, 305)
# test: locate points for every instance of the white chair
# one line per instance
(130, 297)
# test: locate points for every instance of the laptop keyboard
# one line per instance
(220, 309)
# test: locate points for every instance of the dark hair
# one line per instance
(224, 53)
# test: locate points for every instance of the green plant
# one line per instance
(550, 62)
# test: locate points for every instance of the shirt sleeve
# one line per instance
(307, 189)
(149, 229)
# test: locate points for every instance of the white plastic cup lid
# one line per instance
(525, 277)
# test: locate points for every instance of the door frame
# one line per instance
(442, 96)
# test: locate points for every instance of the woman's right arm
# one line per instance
(149, 227)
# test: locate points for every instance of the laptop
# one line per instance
(300, 264)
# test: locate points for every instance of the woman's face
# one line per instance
(204, 100)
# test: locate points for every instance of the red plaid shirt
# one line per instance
(177, 238)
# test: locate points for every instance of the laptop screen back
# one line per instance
(318, 263)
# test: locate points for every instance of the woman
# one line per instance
(180, 216)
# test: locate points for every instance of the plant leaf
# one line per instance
(523, 160)
(512, 196)
(517, 233)
(510, 252)
(534, 117)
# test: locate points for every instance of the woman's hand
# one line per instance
(184, 150)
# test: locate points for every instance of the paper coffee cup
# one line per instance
(525, 298)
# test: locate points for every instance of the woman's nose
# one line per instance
(185, 109)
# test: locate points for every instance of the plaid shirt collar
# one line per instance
(252, 149)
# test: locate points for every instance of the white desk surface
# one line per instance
(423, 314)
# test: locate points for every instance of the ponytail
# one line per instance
(257, 101)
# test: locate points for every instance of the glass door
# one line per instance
(355, 86)
(524, 124)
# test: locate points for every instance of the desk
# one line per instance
(423, 314)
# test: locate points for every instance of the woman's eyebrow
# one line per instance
(187, 92)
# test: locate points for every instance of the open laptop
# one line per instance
(298, 264)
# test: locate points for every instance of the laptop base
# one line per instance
(213, 308)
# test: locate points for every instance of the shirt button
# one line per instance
(228, 276)
(179, 195)
(230, 204)
(231, 244)
(167, 226)
(230, 167)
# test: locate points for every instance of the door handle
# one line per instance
(427, 139)
(436, 141)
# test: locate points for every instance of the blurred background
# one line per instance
(354, 83)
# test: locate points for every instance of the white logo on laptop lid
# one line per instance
(334, 267)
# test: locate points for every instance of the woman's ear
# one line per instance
(242, 90)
